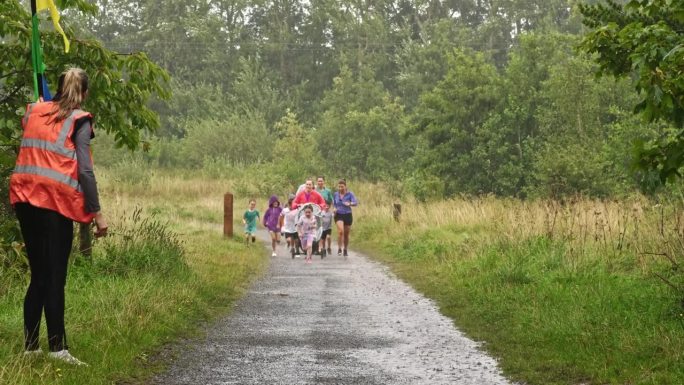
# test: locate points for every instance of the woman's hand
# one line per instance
(101, 225)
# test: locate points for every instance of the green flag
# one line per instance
(36, 58)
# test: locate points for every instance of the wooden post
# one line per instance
(86, 245)
(228, 215)
(396, 211)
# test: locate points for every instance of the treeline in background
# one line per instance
(434, 98)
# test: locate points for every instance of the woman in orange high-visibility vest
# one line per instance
(52, 186)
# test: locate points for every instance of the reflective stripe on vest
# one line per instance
(48, 146)
(57, 146)
(48, 173)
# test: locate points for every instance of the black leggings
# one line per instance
(48, 236)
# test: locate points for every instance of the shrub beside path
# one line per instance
(334, 321)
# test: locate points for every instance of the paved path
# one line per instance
(335, 321)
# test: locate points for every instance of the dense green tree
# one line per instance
(359, 131)
(422, 64)
(643, 40)
(295, 153)
(188, 38)
(448, 118)
(234, 140)
(509, 138)
(576, 113)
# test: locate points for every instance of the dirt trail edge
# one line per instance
(334, 321)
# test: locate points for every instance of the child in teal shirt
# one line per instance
(250, 219)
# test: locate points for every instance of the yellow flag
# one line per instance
(50, 4)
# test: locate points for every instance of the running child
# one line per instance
(288, 223)
(250, 219)
(329, 200)
(326, 226)
(272, 221)
(307, 227)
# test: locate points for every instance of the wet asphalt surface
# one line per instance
(334, 321)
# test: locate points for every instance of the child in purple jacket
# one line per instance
(272, 221)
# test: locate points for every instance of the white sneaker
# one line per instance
(65, 356)
(273, 255)
(33, 353)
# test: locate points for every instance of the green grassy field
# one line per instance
(163, 272)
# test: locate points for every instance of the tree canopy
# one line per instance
(120, 85)
(438, 98)
(644, 40)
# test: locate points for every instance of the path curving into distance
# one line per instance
(334, 321)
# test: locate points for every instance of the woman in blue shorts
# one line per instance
(343, 200)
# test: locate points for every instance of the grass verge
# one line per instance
(164, 271)
(553, 309)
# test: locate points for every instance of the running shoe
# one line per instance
(339, 252)
(322, 253)
(64, 355)
(33, 353)
(329, 251)
(273, 254)
(345, 253)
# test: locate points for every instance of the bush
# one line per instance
(145, 246)
(132, 170)
(424, 187)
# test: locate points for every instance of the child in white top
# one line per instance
(326, 227)
(307, 227)
(288, 224)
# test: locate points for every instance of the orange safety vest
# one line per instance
(46, 173)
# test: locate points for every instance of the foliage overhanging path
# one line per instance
(333, 321)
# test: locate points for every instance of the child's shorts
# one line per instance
(307, 241)
(326, 233)
(294, 235)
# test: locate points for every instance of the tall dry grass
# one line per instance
(561, 292)
(651, 231)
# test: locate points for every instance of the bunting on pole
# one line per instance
(40, 86)
(50, 5)
(36, 54)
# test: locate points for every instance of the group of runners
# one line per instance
(306, 220)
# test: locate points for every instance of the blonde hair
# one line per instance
(71, 93)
